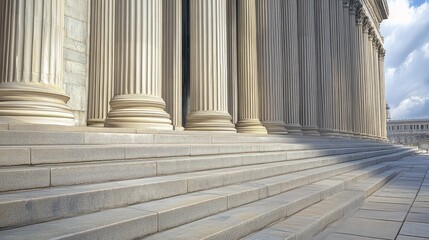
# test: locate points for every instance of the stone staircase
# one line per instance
(88, 183)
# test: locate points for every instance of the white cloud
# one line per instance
(407, 60)
(411, 108)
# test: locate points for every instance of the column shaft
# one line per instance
(335, 64)
(341, 87)
(291, 66)
(354, 72)
(382, 93)
(324, 68)
(360, 75)
(248, 91)
(270, 65)
(370, 86)
(31, 61)
(209, 72)
(101, 65)
(308, 68)
(377, 118)
(232, 60)
(138, 72)
(172, 60)
(347, 68)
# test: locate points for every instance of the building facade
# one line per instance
(408, 132)
(249, 66)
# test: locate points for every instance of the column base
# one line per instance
(294, 129)
(210, 121)
(138, 111)
(251, 126)
(327, 132)
(95, 122)
(310, 130)
(277, 128)
(34, 103)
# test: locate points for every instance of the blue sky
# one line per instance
(406, 35)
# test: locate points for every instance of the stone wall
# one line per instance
(76, 56)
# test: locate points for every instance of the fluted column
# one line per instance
(31, 59)
(172, 60)
(291, 66)
(382, 92)
(348, 122)
(307, 66)
(365, 76)
(209, 72)
(354, 69)
(377, 119)
(341, 87)
(371, 83)
(270, 65)
(360, 75)
(335, 64)
(248, 91)
(101, 64)
(138, 73)
(232, 60)
(324, 68)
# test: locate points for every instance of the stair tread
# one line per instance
(144, 211)
(220, 223)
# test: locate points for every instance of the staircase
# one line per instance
(89, 183)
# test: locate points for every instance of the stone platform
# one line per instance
(90, 183)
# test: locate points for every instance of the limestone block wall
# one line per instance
(76, 56)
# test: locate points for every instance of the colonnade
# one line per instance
(255, 66)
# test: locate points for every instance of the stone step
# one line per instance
(83, 173)
(48, 204)
(23, 137)
(242, 221)
(54, 154)
(171, 212)
(312, 220)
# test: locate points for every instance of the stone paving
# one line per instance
(399, 210)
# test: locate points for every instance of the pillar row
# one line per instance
(31, 61)
(208, 62)
(138, 67)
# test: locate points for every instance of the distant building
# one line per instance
(408, 132)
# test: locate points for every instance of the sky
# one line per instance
(406, 35)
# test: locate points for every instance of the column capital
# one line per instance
(382, 52)
(366, 24)
(354, 6)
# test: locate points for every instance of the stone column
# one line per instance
(101, 65)
(382, 93)
(348, 122)
(209, 72)
(377, 118)
(172, 60)
(270, 65)
(232, 60)
(354, 69)
(365, 76)
(31, 61)
(138, 73)
(341, 86)
(291, 66)
(248, 91)
(335, 64)
(360, 75)
(324, 68)
(370, 75)
(307, 66)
